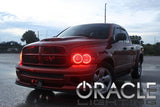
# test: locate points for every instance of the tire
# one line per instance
(137, 70)
(104, 75)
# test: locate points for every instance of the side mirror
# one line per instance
(120, 37)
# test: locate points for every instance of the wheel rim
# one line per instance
(139, 68)
(104, 76)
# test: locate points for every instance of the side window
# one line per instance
(127, 37)
(116, 31)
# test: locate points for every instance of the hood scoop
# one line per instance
(60, 39)
(52, 39)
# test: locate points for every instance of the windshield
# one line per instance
(98, 31)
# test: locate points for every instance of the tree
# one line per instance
(9, 47)
(29, 36)
(136, 39)
(157, 48)
(149, 49)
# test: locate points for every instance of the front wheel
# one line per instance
(103, 75)
(137, 71)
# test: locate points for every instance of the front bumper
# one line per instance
(61, 79)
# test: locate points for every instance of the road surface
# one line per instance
(12, 95)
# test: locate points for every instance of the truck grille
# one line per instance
(52, 50)
(44, 56)
(31, 49)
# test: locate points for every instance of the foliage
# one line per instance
(10, 47)
(136, 39)
(150, 49)
(29, 36)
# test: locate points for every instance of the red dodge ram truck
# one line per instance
(90, 52)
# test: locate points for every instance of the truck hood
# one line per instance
(69, 42)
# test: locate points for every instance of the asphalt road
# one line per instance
(12, 95)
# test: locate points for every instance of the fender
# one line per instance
(106, 57)
(139, 55)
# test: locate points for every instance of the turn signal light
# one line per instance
(20, 57)
(78, 58)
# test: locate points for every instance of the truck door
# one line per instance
(119, 53)
(128, 50)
